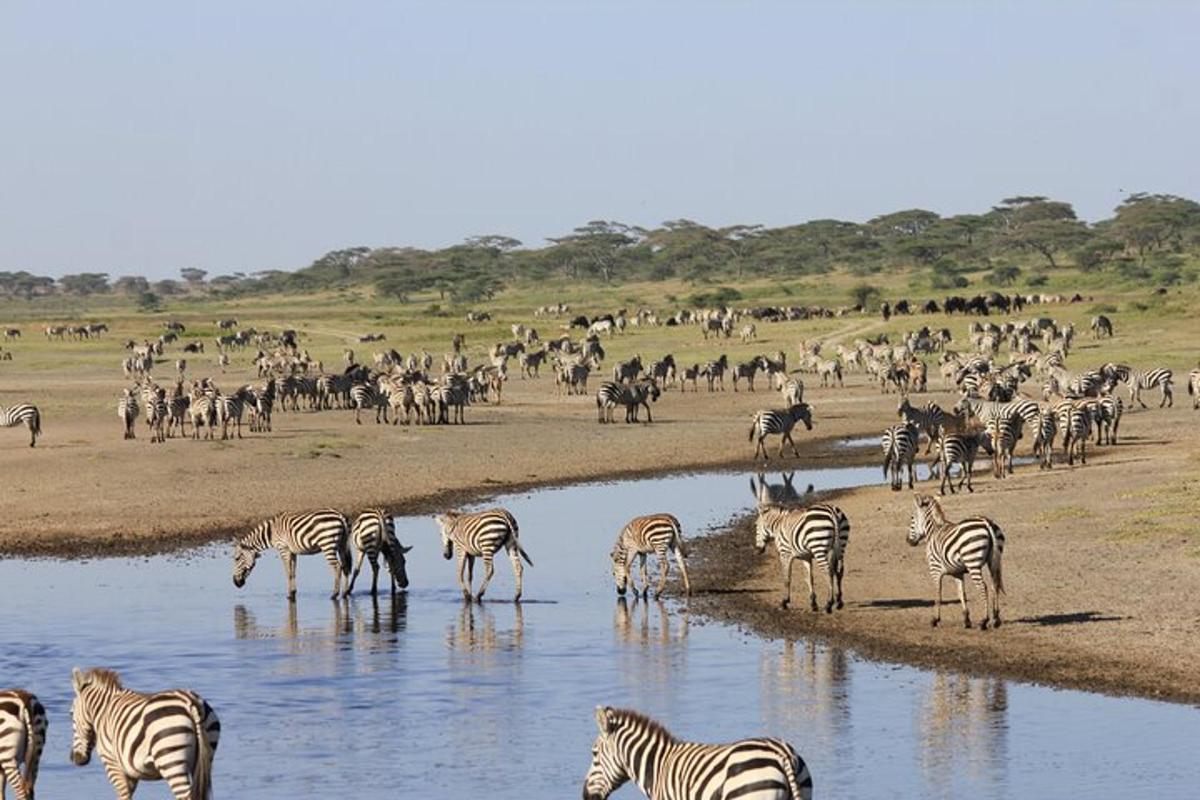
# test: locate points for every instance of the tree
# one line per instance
(865, 295)
(167, 288)
(912, 222)
(599, 245)
(1004, 275)
(193, 275)
(1041, 225)
(131, 284)
(1146, 222)
(84, 283)
(148, 302)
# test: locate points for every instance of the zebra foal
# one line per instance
(22, 739)
(660, 534)
(631, 746)
(170, 736)
(325, 531)
(480, 535)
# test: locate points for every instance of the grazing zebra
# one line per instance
(768, 422)
(639, 395)
(374, 532)
(480, 535)
(959, 549)
(1045, 429)
(634, 747)
(792, 391)
(1076, 426)
(1003, 431)
(817, 535)
(655, 533)
(23, 412)
(1101, 326)
(1194, 387)
(22, 738)
(930, 418)
(1141, 380)
(171, 735)
(899, 444)
(960, 448)
(297, 534)
(127, 412)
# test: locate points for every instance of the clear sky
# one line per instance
(141, 137)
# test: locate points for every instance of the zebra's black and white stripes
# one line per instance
(779, 422)
(25, 413)
(633, 747)
(960, 449)
(639, 395)
(325, 531)
(170, 736)
(373, 533)
(22, 739)
(481, 535)
(817, 535)
(127, 412)
(960, 549)
(660, 534)
(899, 445)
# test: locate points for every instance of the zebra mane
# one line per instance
(104, 677)
(627, 716)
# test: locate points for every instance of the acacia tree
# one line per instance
(1032, 222)
(599, 245)
(1147, 222)
(84, 283)
(193, 276)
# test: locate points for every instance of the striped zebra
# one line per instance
(450, 401)
(817, 535)
(202, 409)
(959, 549)
(1141, 380)
(297, 534)
(828, 370)
(22, 739)
(792, 390)
(262, 407)
(127, 412)
(374, 532)
(230, 408)
(366, 396)
(960, 449)
(1075, 424)
(1107, 414)
(171, 735)
(655, 533)
(1003, 431)
(1194, 387)
(769, 422)
(156, 412)
(23, 413)
(481, 535)
(746, 372)
(634, 747)
(899, 444)
(639, 395)
(928, 418)
(1045, 429)
(177, 410)
(714, 372)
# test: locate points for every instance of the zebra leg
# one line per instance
(687, 585)
(362, 554)
(514, 556)
(795, 450)
(786, 564)
(489, 569)
(977, 577)
(664, 569)
(374, 559)
(962, 598)
(645, 575)
(812, 592)
(830, 568)
(337, 577)
(840, 573)
(10, 773)
(123, 785)
(464, 582)
(289, 567)
(937, 607)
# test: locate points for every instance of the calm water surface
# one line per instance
(422, 697)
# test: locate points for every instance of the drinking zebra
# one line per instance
(171, 735)
(899, 445)
(297, 534)
(655, 533)
(1003, 431)
(480, 535)
(23, 413)
(769, 422)
(374, 532)
(817, 535)
(929, 418)
(959, 549)
(22, 739)
(127, 412)
(1101, 326)
(960, 448)
(634, 747)
(639, 395)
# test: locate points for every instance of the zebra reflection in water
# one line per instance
(475, 631)
(962, 730)
(805, 688)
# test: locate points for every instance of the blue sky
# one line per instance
(141, 137)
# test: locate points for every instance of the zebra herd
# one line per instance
(203, 406)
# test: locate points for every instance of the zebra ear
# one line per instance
(79, 679)
(404, 549)
(606, 719)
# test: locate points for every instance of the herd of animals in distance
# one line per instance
(1029, 394)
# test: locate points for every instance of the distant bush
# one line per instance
(722, 295)
(1038, 280)
(865, 295)
(1103, 308)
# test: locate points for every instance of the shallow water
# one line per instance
(423, 697)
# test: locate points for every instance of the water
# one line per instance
(423, 697)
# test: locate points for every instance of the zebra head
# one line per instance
(607, 772)
(620, 569)
(83, 733)
(764, 527)
(446, 526)
(802, 412)
(922, 519)
(244, 557)
(397, 563)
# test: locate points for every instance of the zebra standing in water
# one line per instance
(127, 412)
(374, 532)
(634, 747)
(171, 735)
(930, 419)
(23, 412)
(766, 423)
(480, 535)
(899, 444)
(818, 534)
(325, 531)
(959, 549)
(960, 448)
(22, 739)
(655, 533)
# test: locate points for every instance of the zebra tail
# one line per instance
(994, 565)
(799, 784)
(36, 422)
(202, 774)
(524, 555)
(753, 427)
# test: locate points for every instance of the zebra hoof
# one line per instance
(934, 622)
(996, 622)
(840, 604)
(967, 624)
(784, 603)
(983, 626)
(829, 608)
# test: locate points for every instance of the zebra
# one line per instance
(127, 412)
(828, 370)
(202, 409)
(899, 444)
(768, 422)
(655, 533)
(1076, 426)
(1109, 409)
(792, 390)
(374, 532)
(1194, 387)
(451, 402)
(817, 535)
(22, 739)
(639, 395)
(23, 413)
(959, 549)
(1045, 429)
(714, 372)
(480, 535)
(364, 395)
(634, 747)
(1141, 380)
(693, 373)
(297, 534)
(230, 408)
(749, 333)
(1004, 431)
(177, 409)
(156, 413)
(745, 372)
(171, 735)
(929, 418)
(263, 404)
(1101, 326)
(960, 448)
